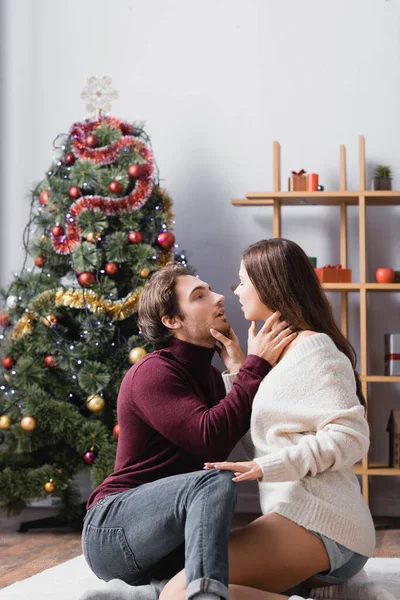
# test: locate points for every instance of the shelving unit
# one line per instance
(341, 198)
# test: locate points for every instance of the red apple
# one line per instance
(384, 275)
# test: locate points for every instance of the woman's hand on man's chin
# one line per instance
(229, 349)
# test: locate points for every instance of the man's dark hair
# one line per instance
(157, 300)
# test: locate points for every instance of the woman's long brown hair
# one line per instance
(285, 280)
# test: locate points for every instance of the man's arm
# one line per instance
(163, 397)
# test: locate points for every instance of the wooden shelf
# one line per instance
(342, 198)
(371, 470)
(333, 198)
(371, 287)
(381, 378)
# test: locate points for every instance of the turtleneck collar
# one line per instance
(191, 354)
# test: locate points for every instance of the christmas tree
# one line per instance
(99, 226)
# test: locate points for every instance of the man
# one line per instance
(159, 511)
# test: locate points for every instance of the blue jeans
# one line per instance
(158, 528)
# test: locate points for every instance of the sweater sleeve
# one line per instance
(165, 400)
(341, 435)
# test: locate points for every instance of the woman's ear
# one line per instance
(171, 322)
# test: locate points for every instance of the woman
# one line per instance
(307, 431)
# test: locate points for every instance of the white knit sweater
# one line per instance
(307, 431)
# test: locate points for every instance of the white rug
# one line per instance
(70, 579)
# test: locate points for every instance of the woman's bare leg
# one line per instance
(272, 554)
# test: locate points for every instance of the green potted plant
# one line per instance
(382, 178)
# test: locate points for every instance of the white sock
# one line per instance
(116, 589)
(359, 587)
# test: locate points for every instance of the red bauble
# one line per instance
(116, 431)
(86, 279)
(135, 237)
(111, 268)
(126, 129)
(137, 171)
(115, 187)
(44, 197)
(57, 231)
(8, 362)
(4, 320)
(69, 159)
(165, 239)
(89, 457)
(74, 192)
(49, 361)
(40, 261)
(92, 141)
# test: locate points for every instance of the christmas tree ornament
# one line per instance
(5, 422)
(28, 424)
(320, 188)
(95, 403)
(40, 261)
(50, 361)
(86, 279)
(111, 268)
(49, 320)
(4, 320)
(74, 192)
(49, 486)
(2, 438)
(12, 301)
(92, 237)
(7, 377)
(8, 362)
(116, 431)
(92, 141)
(69, 159)
(115, 187)
(166, 240)
(89, 457)
(136, 354)
(137, 171)
(44, 197)
(135, 237)
(144, 273)
(57, 230)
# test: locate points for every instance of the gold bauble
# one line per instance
(5, 422)
(136, 354)
(144, 273)
(28, 424)
(49, 320)
(49, 486)
(95, 403)
(92, 237)
(7, 377)
(44, 236)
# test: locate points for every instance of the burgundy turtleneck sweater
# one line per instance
(174, 414)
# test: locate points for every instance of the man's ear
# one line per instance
(171, 322)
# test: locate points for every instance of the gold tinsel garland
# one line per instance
(79, 299)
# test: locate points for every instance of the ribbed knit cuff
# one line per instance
(228, 379)
(275, 469)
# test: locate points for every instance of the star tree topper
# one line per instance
(99, 94)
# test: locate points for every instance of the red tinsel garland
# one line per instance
(105, 155)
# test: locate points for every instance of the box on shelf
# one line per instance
(333, 274)
(392, 353)
(297, 181)
(393, 428)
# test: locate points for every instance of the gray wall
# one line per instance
(216, 82)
